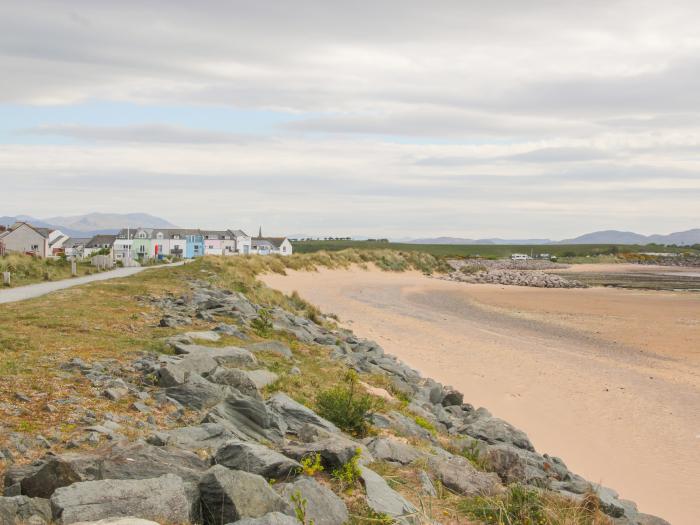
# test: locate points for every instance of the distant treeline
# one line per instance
(493, 250)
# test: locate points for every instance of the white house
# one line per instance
(98, 243)
(243, 242)
(22, 237)
(271, 246)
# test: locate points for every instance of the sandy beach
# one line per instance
(607, 379)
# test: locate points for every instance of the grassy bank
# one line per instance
(487, 250)
(28, 270)
(117, 319)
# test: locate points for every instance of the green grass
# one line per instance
(485, 250)
(25, 269)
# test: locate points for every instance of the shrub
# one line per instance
(473, 454)
(262, 324)
(300, 503)
(311, 464)
(346, 407)
(349, 473)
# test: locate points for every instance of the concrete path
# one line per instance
(21, 293)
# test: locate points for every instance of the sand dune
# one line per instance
(608, 379)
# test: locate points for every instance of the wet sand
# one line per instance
(607, 379)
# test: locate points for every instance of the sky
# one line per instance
(378, 118)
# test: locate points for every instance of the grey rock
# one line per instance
(273, 518)
(228, 329)
(162, 499)
(197, 393)
(207, 436)
(262, 377)
(459, 475)
(426, 484)
(274, 347)
(248, 419)
(482, 425)
(257, 459)
(295, 371)
(648, 519)
(208, 335)
(401, 424)
(323, 507)
(384, 500)
(236, 378)
(230, 495)
(389, 449)
(225, 355)
(297, 415)
(452, 397)
(128, 520)
(115, 394)
(19, 510)
(335, 450)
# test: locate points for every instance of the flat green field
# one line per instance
(484, 250)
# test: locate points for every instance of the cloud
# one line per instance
(144, 133)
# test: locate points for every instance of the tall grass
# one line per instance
(26, 269)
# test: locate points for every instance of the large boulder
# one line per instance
(297, 415)
(236, 378)
(382, 499)
(323, 507)
(42, 477)
(390, 449)
(207, 436)
(19, 510)
(274, 347)
(230, 495)
(402, 425)
(128, 520)
(273, 518)
(257, 459)
(174, 370)
(197, 393)
(460, 476)
(162, 499)
(482, 425)
(335, 449)
(248, 419)
(224, 355)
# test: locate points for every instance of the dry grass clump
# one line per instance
(26, 269)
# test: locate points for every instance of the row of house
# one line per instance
(141, 243)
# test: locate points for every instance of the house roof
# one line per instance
(59, 239)
(72, 242)
(239, 233)
(44, 232)
(274, 241)
(100, 240)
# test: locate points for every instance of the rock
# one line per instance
(203, 336)
(262, 377)
(197, 393)
(176, 370)
(230, 495)
(273, 518)
(41, 478)
(426, 484)
(323, 507)
(162, 499)
(257, 459)
(388, 449)
(459, 475)
(648, 519)
(228, 329)
(225, 355)
(20, 510)
(238, 379)
(115, 394)
(335, 450)
(507, 463)
(129, 520)
(248, 419)
(141, 407)
(403, 425)
(295, 371)
(482, 425)
(384, 500)
(297, 415)
(274, 347)
(452, 398)
(207, 436)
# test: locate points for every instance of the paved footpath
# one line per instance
(21, 293)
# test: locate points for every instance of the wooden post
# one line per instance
(6, 278)
(73, 268)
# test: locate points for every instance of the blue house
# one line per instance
(195, 246)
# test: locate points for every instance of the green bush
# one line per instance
(349, 473)
(262, 324)
(346, 407)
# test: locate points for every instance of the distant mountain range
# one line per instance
(93, 223)
(683, 238)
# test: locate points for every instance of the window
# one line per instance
(35, 247)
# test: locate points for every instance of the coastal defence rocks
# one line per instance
(220, 470)
(510, 273)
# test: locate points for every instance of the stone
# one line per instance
(262, 377)
(648, 519)
(162, 499)
(225, 355)
(207, 436)
(384, 500)
(482, 425)
(197, 393)
(257, 459)
(295, 371)
(204, 336)
(228, 329)
(230, 495)
(236, 378)
(323, 507)
(459, 475)
(335, 450)
(297, 415)
(389, 449)
(248, 419)
(426, 484)
(402, 425)
(273, 518)
(20, 510)
(115, 394)
(274, 347)
(452, 397)
(129, 520)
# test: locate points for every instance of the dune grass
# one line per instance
(26, 269)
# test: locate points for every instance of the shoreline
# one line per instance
(618, 406)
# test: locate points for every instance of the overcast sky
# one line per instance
(382, 118)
